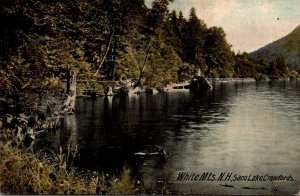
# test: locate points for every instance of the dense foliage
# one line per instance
(114, 40)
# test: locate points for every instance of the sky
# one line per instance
(248, 24)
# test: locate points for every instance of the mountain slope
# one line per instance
(287, 47)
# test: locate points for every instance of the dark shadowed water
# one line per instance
(243, 128)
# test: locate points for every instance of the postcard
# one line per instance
(168, 97)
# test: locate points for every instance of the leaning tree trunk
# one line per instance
(69, 104)
(142, 71)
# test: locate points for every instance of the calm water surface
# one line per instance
(244, 128)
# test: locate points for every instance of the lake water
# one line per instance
(244, 128)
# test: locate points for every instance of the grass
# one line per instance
(25, 173)
(124, 184)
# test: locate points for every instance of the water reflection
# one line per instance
(250, 128)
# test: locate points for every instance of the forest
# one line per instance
(41, 41)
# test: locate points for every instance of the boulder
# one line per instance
(109, 91)
(199, 83)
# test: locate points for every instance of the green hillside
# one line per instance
(287, 47)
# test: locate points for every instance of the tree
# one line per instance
(158, 13)
(141, 48)
(194, 40)
(173, 32)
(50, 45)
(219, 56)
(278, 67)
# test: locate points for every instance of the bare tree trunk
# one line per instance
(106, 53)
(142, 71)
(68, 81)
(69, 105)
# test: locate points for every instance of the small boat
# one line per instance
(152, 150)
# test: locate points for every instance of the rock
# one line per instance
(149, 91)
(109, 91)
(123, 91)
(199, 83)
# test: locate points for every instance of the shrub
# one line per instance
(24, 173)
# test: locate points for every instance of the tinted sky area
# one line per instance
(249, 24)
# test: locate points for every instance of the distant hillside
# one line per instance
(287, 47)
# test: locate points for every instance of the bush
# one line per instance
(25, 173)
(124, 185)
